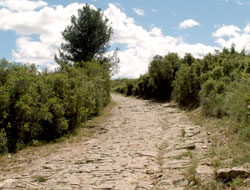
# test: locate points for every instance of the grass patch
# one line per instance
(183, 133)
(161, 150)
(39, 178)
(227, 148)
(191, 175)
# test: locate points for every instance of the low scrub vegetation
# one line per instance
(38, 106)
(219, 83)
(216, 91)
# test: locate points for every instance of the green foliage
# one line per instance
(124, 86)
(3, 142)
(142, 88)
(212, 96)
(162, 73)
(187, 85)
(219, 83)
(117, 82)
(45, 106)
(157, 83)
(87, 36)
(237, 103)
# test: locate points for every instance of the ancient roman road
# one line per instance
(147, 145)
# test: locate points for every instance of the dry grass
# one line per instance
(227, 149)
(161, 150)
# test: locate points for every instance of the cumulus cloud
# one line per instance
(47, 23)
(189, 23)
(239, 2)
(228, 35)
(139, 12)
(229, 30)
(247, 29)
(142, 45)
(22, 5)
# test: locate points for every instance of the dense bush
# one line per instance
(141, 88)
(219, 83)
(223, 70)
(237, 104)
(187, 86)
(162, 73)
(124, 86)
(44, 106)
(157, 83)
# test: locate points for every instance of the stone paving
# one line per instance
(144, 147)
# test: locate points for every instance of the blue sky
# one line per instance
(30, 31)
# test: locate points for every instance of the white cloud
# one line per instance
(142, 45)
(228, 35)
(139, 12)
(247, 29)
(22, 5)
(188, 24)
(239, 2)
(229, 30)
(47, 23)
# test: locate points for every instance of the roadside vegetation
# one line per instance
(215, 92)
(218, 83)
(43, 106)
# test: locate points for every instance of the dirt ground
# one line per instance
(144, 145)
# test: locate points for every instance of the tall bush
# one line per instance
(45, 106)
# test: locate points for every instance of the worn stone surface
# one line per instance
(139, 147)
(228, 174)
(204, 172)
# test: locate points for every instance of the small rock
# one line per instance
(102, 130)
(204, 172)
(159, 175)
(227, 174)
(90, 161)
(168, 105)
(204, 147)
(104, 187)
(188, 147)
(174, 153)
(7, 182)
(149, 172)
(175, 164)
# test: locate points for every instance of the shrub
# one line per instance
(186, 86)
(45, 106)
(3, 142)
(162, 73)
(219, 83)
(237, 102)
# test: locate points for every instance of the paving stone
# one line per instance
(139, 141)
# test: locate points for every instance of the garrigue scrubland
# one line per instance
(218, 83)
(44, 106)
(148, 145)
(215, 93)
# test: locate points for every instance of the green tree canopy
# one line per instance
(86, 37)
